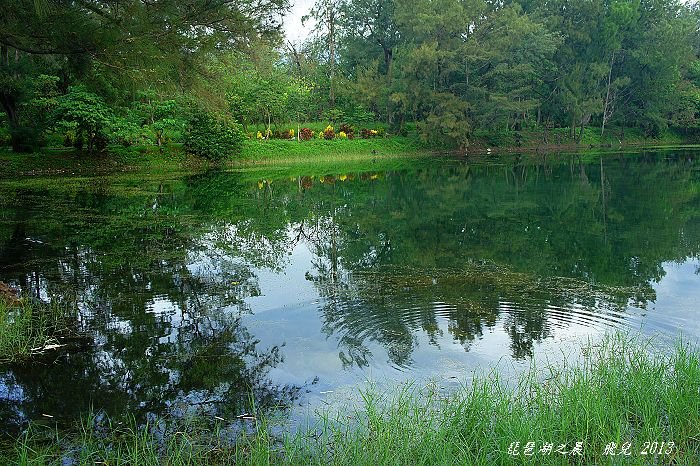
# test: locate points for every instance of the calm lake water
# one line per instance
(197, 291)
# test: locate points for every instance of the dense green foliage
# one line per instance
(211, 138)
(92, 73)
(460, 66)
(87, 116)
(119, 51)
(620, 402)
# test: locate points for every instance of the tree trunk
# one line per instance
(295, 55)
(572, 128)
(331, 49)
(389, 61)
(8, 101)
(607, 105)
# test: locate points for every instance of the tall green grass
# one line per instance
(27, 327)
(618, 391)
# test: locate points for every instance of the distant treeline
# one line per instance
(202, 72)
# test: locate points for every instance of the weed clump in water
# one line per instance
(31, 328)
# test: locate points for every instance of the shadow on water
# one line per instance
(166, 271)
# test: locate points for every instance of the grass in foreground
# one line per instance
(28, 328)
(620, 393)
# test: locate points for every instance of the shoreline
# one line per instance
(621, 400)
(276, 153)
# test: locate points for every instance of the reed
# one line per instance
(29, 328)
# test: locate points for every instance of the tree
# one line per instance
(326, 16)
(510, 59)
(370, 37)
(431, 82)
(211, 137)
(88, 115)
(115, 45)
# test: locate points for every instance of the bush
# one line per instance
(305, 134)
(126, 133)
(69, 139)
(334, 115)
(26, 138)
(211, 138)
(360, 116)
(283, 134)
(88, 115)
(329, 133)
(349, 130)
(368, 133)
(5, 137)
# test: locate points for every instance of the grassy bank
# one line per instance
(617, 392)
(59, 161)
(173, 158)
(276, 149)
(280, 152)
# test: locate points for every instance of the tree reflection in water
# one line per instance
(164, 270)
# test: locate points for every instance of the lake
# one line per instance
(200, 293)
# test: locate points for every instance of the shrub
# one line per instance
(329, 133)
(88, 114)
(280, 134)
(305, 134)
(5, 137)
(334, 115)
(349, 130)
(342, 135)
(361, 116)
(211, 138)
(69, 139)
(126, 133)
(162, 130)
(368, 133)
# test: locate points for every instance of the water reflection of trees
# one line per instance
(165, 315)
(460, 249)
(600, 225)
(609, 237)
